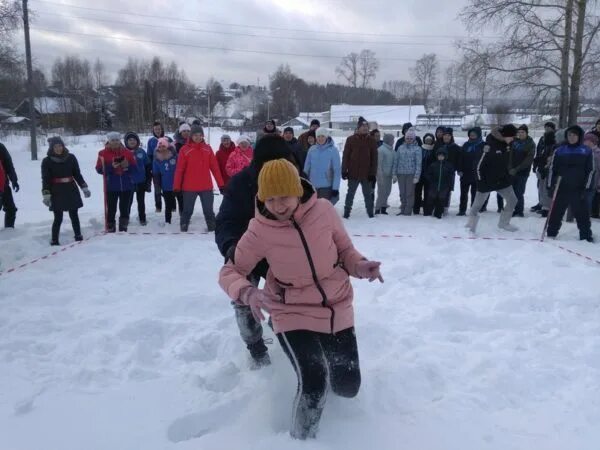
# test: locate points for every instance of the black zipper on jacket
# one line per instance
(314, 271)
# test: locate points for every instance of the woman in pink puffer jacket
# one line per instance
(308, 292)
(240, 158)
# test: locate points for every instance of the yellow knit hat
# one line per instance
(279, 178)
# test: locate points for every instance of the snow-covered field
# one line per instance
(126, 342)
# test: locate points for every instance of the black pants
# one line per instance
(140, 196)
(436, 202)
(320, 358)
(578, 203)
(421, 197)
(58, 218)
(596, 206)
(123, 200)
(170, 205)
(157, 196)
(10, 209)
(467, 187)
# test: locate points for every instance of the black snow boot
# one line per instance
(347, 212)
(462, 213)
(384, 211)
(183, 227)
(536, 208)
(54, 242)
(9, 219)
(123, 223)
(111, 227)
(260, 355)
(378, 211)
(79, 238)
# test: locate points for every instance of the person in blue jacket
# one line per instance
(573, 163)
(323, 167)
(467, 161)
(163, 170)
(141, 174)
(158, 131)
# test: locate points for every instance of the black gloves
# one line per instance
(344, 175)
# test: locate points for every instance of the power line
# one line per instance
(182, 19)
(205, 47)
(233, 33)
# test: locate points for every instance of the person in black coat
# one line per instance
(573, 164)
(422, 187)
(235, 213)
(60, 180)
(10, 209)
(407, 126)
(468, 158)
(453, 152)
(297, 151)
(548, 140)
(440, 175)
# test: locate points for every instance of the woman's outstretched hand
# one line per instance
(369, 270)
(258, 299)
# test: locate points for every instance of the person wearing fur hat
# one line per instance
(61, 181)
(468, 159)
(114, 164)
(492, 175)
(163, 170)
(226, 148)
(8, 203)
(573, 164)
(406, 171)
(323, 167)
(297, 150)
(303, 138)
(307, 293)
(158, 131)
(385, 164)
(240, 158)
(141, 174)
(236, 212)
(541, 162)
(440, 175)
(359, 167)
(195, 164)
(422, 187)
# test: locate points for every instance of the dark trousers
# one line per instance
(519, 185)
(367, 190)
(467, 187)
(320, 358)
(157, 196)
(140, 196)
(207, 199)
(123, 200)
(436, 202)
(10, 209)
(58, 218)
(421, 197)
(170, 205)
(579, 205)
(596, 206)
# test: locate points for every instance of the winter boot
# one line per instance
(183, 227)
(78, 238)
(544, 213)
(9, 219)
(518, 214)
(111, 227)
(378, 211)
(158, 210)
(384, 211)
(472, 223)
(123, 223)
(508, 227)
(588, 238)
(536, 208)
(143, 221)
(347, 212)
(259, 355)
(210, 227)
(462, 213)
(54, 242)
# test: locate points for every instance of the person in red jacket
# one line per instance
(195, 164)
(225, 150)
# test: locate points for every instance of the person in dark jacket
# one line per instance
(541, 160)
(440, 175)
(492, 175)
(295, 146)
(182, 137)
(407, 126)
(8, 203)
(521, 160)
(61, 180)
(235, 213)
(439, 137)
(573, 164)
(469, 157)
(359, 167)
(141, 174)
(303, 138)
(453, 152)
(114, 164)
(422, 187)
(269, 128)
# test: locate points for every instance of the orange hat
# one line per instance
(279, 178)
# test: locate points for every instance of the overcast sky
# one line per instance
(411, 28)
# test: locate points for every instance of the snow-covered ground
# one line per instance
(126, 341)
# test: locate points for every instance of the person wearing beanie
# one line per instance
(544, 149)
(422, 187)
(359, 167)
(8, 203)
(440, 175)
(240, 158)
(226, 149)
(406, 171)
(385, 163)
(182, 137)
(303, 138)
(158, 132)
(468, 159)
(295, 146)
(591, 141)
(520, 162)
(439, 138)
(115, 163)
(407, 126)
(376, 135)
(163, 170)
(61, 181)
(303, 239)
(323, 167)
(195, 164)
(237, 210)
(141, 175)
(492, 175)
(573, 165)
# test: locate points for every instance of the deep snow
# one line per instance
(127, 342)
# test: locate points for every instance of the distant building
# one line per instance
(55, 112)
(492, 120)
(388, 117)
(587, 117)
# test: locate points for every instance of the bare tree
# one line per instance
(401, 89)
(367, 68)
(100, 75)
(10, 18)
(425, 74)
(349, 69)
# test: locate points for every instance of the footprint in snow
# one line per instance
(223, 380)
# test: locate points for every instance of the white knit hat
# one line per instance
(322, 132)
(243, 138)
(184, 127)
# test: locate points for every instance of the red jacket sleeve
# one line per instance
(216, 171)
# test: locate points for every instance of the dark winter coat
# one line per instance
(574, 164)
(298, 152)
(428, 160)
(440, 175)
(60, 178)
(360, 157)
(401, 141)
(117, 179)
(544, 150)
(469, 157)
(522, 154)
(9, 168)
(492, 170)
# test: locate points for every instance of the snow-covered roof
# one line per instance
(384, 115)
(57, 105)
(14, 120)
(6, 112)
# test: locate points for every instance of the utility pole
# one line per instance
(32, 121)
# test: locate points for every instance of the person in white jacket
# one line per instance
(385, 163)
